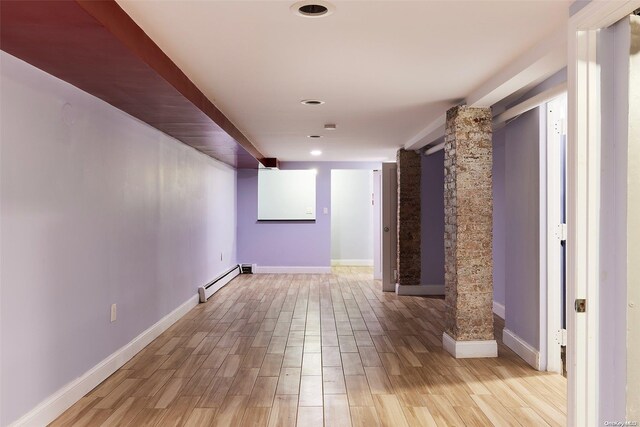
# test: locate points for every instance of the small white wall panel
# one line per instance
(286, 195)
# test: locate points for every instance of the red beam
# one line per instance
(97, 47)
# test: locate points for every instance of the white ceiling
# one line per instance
(385, 69)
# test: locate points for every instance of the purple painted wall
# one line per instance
(613, 57)
(96, 208)
(288, 243)
(499, 217)
(516, 216)
(522, 222)
(432, 224)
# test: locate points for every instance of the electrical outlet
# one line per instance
(114, 312)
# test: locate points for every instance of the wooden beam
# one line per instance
(97, 47)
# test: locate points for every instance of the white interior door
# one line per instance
(389, 225)
(376, 202)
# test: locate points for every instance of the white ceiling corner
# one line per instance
(386, 69)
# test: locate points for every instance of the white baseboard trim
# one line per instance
(52, 407)
(521, 348)
(419, 290)
(469, 349)
(498, 309)
(260, 269)
(353, 262)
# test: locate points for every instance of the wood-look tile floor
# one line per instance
(307, 350)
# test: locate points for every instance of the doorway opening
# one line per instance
(355, 219)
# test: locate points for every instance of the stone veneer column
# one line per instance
(468, 204)
(409, 234)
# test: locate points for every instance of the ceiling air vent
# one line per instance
(312, 9)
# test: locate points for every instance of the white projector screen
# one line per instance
(286, 195)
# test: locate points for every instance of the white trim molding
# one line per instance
(353, 262)
(419, 290)
(52, 407)
(552, 131)
(521, 348)
(498, 309)
(260, 269)
(535, 64)
(583, 203)
(469, 349)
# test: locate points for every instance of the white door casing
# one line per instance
(551, 237)
(583, 205)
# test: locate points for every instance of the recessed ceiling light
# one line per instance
(312, 9)
(316, 152)
(314, 136)
(311, 102)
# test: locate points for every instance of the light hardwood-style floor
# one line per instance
(307, 350)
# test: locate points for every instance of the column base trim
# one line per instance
(419, 290)
(469, 349)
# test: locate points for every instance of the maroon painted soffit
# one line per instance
(95, 46)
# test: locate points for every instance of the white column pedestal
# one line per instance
(469, 349)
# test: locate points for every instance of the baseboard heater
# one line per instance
(211, 288)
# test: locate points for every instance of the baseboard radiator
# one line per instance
(205, 292)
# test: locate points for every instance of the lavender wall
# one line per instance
(96, 208)
(613, 57)
(432, 224)
(288, 243)
(522, 216)
(516, 216)
(499, 217)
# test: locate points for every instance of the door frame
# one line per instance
(583, 205)
(551, 234)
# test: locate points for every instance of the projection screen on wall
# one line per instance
(286, 195)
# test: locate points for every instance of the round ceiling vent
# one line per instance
(312, 9)
(311, 102)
